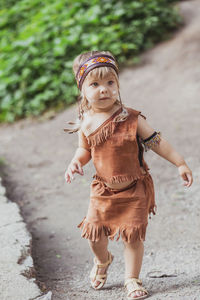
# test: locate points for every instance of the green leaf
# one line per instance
(40, 39)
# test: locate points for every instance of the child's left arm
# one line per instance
(164, 149)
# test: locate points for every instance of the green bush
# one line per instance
(39, 40)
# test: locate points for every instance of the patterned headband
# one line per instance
(93, 62)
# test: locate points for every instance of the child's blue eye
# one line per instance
(110, 82)
(94, 84)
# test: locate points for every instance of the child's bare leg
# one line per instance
(101, 252)
(133, 254)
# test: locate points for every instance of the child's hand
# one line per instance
(186, 174)
(74, 167)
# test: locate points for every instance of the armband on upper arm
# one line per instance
(152, 141)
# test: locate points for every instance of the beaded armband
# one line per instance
(152, 141)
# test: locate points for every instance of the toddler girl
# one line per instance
(122, 193)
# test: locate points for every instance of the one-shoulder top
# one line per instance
(116, 149)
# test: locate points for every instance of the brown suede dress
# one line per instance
(117, 155)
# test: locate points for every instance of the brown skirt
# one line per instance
(122, 212)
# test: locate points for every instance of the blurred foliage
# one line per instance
(40, 39)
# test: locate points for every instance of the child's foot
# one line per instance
(98, 274)
(136, 294)
(100, 271)
(135, 289)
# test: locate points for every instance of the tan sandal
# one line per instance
(100, 277)
(134, 284)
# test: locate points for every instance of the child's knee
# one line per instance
(93, 243)
(133, 245)
(103, 239)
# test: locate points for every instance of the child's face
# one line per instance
(101, 93)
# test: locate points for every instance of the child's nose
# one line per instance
(103, 89)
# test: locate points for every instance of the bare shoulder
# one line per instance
(86, 123)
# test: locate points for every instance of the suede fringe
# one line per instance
(127, 233)
(118, 178)
(152, 210)
(102, 135)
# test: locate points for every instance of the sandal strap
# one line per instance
(136, 285)
(132, 280)
(108, 262)
(100, 277)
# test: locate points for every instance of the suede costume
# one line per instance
(117, 155)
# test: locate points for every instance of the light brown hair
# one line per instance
(99, 72)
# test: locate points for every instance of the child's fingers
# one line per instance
(184, 177)
(78, 169)
(69, 175)
(68, 179)
(75, 167)
(187, 177)
(190, 179)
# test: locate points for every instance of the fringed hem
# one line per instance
(119, 178)
(152, 210)
(102, 135)
(128, 234)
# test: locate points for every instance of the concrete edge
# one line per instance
(17, 272)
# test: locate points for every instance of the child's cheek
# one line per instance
(91, 95)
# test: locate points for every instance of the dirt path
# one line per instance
(166, 89)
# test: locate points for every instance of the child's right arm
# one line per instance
(82, 157)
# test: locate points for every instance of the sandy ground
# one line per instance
(166, 88)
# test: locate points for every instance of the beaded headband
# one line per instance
(93, 62)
